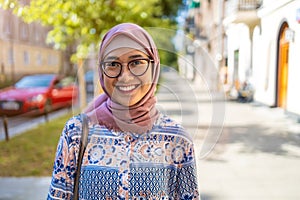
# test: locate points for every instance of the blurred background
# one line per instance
(245, 50)
(253, 43)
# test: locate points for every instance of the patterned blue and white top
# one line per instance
(159, 164)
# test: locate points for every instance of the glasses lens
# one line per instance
(112, 69)
(138, 67)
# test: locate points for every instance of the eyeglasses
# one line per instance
(137, 67)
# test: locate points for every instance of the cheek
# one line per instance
(108, 84)
(147, 82)
(147, 78)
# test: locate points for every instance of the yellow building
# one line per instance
(23, 49)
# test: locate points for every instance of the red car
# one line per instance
(38, 93)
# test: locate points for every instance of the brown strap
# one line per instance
(82, 146)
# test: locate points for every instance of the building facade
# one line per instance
(257, 42)
(204, 52)
(239, 20)
(276, 47)
(23, 48)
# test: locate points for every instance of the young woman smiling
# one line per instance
(133, 150)
(127, 75)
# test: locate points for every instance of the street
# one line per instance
(244, 151)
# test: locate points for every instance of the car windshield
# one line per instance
(34, 81)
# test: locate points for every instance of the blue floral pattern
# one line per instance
(159, 164)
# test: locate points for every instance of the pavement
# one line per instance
(244, 150)
(25, 188)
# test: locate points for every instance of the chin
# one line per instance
(123, 102)
(129, 104)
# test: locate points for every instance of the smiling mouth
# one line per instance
(127, 88)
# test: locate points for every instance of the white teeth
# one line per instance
(126, 88)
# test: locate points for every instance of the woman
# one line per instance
(133, 151)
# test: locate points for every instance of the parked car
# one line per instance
(38, 93)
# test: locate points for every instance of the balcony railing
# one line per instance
(244, 5)
(233, 6)
(242, 11)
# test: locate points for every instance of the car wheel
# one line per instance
(48, 106)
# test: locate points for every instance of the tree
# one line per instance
(83, 22)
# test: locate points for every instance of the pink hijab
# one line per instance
(140, 117)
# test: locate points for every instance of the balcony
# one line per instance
(244, 5)
(242, 11)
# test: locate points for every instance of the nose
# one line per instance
(125, 75)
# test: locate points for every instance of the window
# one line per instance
(37, 36)
(11, 56)
(24, 33)
(39, 59)
(26, 58)
(7, 25)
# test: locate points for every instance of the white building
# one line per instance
(259, 40)
(263, 46)
(276, 60)
(240, 20)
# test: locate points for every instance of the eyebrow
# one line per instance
(136, 56)
(117, 58)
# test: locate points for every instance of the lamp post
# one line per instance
(81, 81)
(12, 61)
(220, 54)
(12, 53)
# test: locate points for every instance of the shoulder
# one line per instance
(73, 126)
(167, 125)
(166, 121)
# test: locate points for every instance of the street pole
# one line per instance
(13, 62)
(220, 34)
(221, 40)
(12, 47)
(81, 82)
(5, 125)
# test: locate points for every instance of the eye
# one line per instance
(135, 63)
(112, 64)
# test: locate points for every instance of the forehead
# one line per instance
(125, 53)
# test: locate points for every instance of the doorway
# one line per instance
(236, 80)
(282, 67)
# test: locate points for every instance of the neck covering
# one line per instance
(138, 118)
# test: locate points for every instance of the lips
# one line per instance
(127, 88)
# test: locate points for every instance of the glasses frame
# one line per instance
(102, 64)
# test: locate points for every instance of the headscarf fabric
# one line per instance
(140, 117)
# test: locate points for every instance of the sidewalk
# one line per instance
(255, 156)
(27, 188)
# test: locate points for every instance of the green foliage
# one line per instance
(167, 51)
(169, 8)
(6, 83)
(83, 22)
(32, 153)
(168, 59)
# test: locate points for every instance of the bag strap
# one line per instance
(82, 147)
